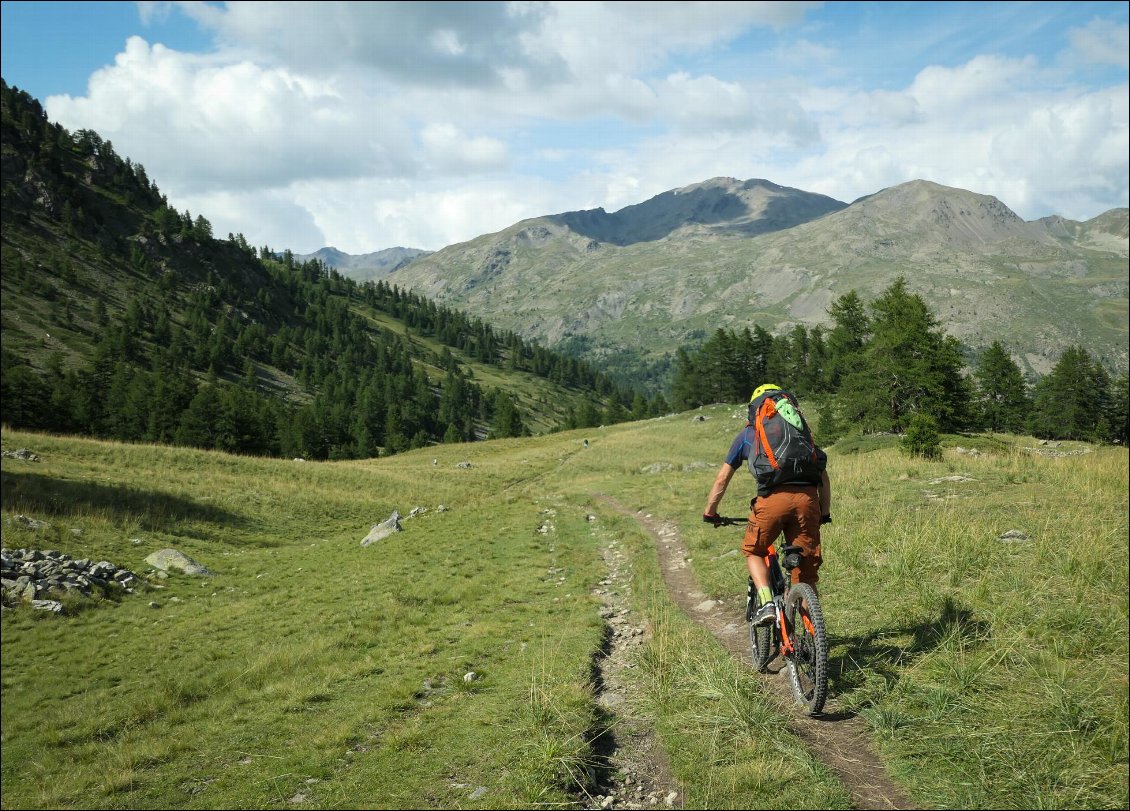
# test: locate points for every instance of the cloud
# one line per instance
(978, 86)
(264, 217)
(369, 125)
(415, 214)
(199, 124)
(1102, 43)
(451, 151)
(630, 38)
(992, 126)
(449, 43)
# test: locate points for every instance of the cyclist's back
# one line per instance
(793, 489)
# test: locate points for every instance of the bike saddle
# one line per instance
(791, 555)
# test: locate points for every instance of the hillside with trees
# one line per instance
(884, 361)
(126, 319)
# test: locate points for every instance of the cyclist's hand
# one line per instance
(826, 519)
(715, 519)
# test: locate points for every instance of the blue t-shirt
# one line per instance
(742, 447)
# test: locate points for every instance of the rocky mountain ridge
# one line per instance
(727, 254)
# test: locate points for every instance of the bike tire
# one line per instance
(761, 643)
(808, 663)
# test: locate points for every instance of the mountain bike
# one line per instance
(798, 635)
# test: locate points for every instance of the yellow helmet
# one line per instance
(760, 390)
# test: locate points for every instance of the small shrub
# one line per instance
(922, 438)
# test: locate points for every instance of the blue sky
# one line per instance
(370, 125)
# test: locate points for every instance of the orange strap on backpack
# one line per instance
(767, 410)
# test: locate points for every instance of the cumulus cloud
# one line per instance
(198, 123)
(450, 150)
(978, 86)
(704, 102)
(369, 125)
(427, 214)
(457, 43)
(990, 126)
(275, 218)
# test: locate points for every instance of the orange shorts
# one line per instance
(796, 512)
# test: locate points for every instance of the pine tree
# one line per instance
(1002, 398)
(1067, 403)
(922, 438)
(1120, 410)
(199, 421)
(847, 338)
(907, 367)
(22, 392)
(507, 421)
(685, 388)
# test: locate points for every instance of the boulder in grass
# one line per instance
(383, 529)
(168, 559)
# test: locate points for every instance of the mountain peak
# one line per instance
(957, 216)
(720, 205)
(730, 183)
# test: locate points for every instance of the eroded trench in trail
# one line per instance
(631, 769)
(837, 738)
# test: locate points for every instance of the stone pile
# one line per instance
(31, 574)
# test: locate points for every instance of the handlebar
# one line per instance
(725, 521)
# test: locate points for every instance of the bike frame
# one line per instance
(798, 634)
(780, 581)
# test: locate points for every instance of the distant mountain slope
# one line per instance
(674, 269)
(1106, 232)
(367, 266)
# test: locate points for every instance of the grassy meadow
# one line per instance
(312, 672)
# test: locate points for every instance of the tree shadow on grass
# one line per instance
(886, 651)
(45, 495)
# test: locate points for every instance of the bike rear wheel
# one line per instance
(761, 638)
(808, 663)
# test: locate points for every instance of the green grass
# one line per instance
(312, 672)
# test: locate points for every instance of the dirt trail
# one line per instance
(632, 767)
(836, 738)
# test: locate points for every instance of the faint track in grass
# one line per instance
(836, 738)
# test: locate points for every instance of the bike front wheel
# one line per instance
(808, 663)
(762, 639)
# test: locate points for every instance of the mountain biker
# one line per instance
(796, 507)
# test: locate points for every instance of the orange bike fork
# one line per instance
(786, 640)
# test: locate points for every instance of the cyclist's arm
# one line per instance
(721, 482)
(825, 494)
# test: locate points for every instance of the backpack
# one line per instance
(784, 451)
